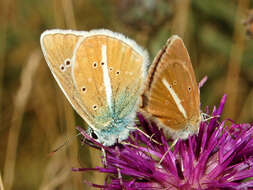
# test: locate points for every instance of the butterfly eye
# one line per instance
(62, 68)
(67, 62)
(95, 65)
(94, 135)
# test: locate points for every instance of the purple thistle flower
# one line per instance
(218, 157)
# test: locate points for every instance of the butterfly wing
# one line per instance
(112, 75)
(171, 94)
(58, 47)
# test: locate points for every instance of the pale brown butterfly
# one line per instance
(171, 96)
(102, 74)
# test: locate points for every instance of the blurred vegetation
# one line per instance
(35, 117)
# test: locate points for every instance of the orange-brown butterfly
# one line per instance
(102, 74)
(171, 96)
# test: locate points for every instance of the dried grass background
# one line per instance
(35, 117)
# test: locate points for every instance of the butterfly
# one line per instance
(102, 74)
(171, 95)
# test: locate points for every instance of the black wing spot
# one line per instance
(102, 63)
(189, 89)
(118, 72)
(95, 65)
(84, 89)
(67, 62)
(174, 82)
(95, 107)
(62, 68)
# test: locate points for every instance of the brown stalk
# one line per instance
(180, 20)
(95, 156)
(234, 68)
(57, 180)
(58, 14)
(3, 28)
(1, 183)
(69, 13)
(70, 22)
(20, 102)
(65, 17)
(73, 146)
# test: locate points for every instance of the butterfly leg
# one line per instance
(172, 145)
(145, 134)
(118, 169)
(104, 157)
(164, 156)
(151, 137)
(206, 117)
(120, 177)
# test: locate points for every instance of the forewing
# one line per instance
(58, 47)
(172, 95)
(112, 74)
(171, 92)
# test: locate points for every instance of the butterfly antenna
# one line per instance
(65, 143)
